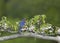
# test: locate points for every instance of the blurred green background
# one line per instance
(28, 40)
(29, 8)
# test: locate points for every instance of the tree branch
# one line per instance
(28, 35)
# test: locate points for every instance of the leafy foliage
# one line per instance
(38, 21)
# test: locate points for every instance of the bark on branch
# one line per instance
(28, 35)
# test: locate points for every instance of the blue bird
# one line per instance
(21, 24)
